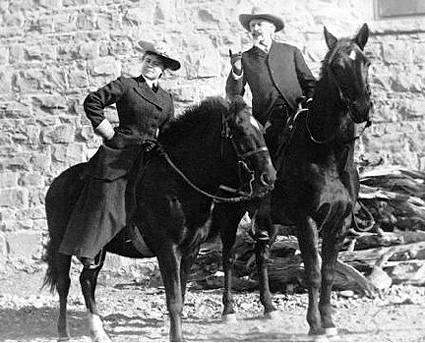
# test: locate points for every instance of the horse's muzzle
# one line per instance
(361, 110)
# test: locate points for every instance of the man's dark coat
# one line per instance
(100, 212)
(288, 71)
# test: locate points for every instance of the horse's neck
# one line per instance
(328, 118)
(198, 158)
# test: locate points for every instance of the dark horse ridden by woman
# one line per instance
(169, 201)
(317, 182)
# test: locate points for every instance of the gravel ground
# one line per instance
(135, 312)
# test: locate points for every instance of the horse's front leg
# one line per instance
(227, 218)
(263, 223)
(88, 281)
(308, 242)
(333, 238)
(169, 260)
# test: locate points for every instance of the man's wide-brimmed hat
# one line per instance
(162, 51)
(258, 13)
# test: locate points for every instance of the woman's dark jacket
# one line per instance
(100, 211)
(142, 115)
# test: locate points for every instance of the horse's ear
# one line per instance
(330, 38)
(362, 36)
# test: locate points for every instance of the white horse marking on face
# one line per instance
(254, 123)
(353, 55)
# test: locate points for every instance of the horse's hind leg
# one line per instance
(333, 238)
(88, 281)
(63, 265)
(308, 242)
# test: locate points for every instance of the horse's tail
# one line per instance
(51, 277)
(59, 202)
(56, 233)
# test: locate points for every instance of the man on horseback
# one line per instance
(277, 75)
(144, 109)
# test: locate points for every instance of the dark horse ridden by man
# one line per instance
(317, 182)
(169, 201)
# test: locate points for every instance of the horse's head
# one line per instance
(347, 66)
(247, 136)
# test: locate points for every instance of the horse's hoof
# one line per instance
(331, 332)
(229, 318)
(64, 339)
(101, 339)
(320, 338)
(273, 315)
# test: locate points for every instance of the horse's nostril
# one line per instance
(266, 180)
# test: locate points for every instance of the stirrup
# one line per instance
(262, 236)
(93, 263)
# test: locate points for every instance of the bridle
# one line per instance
(226, 133)
(346, 107)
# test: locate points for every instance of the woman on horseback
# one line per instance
(144, 109)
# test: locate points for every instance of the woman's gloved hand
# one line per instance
(149, 145)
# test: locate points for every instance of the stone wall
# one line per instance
(52, 52)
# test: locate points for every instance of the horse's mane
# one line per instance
(194, 119)
(344, 45)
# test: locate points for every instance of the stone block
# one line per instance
(4, 55)
(29, 81)
(17, 110)
(397, 52)
(106, 66)
(50, 101)
(39, 53)
(24, 244)
(3, 253)
(73, 153)
(109, 21)
(58, 134)
(36, 198)
(16, 53)
(89, 50)
(86, 20)
(34, 212)
(64, 22)
(78, 79)
(14, 197)
(31, 180)
(20, 6)
(8, 179)
(139, 16)
(6, 76)
(15, 163)
(40, 161)
(50, 4)
(74, 3)
(32, 134)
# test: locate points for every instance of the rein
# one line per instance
(216, 198)
(225, 133)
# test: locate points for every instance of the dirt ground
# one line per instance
(135, 312)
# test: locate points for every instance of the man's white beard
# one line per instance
(261, 39)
